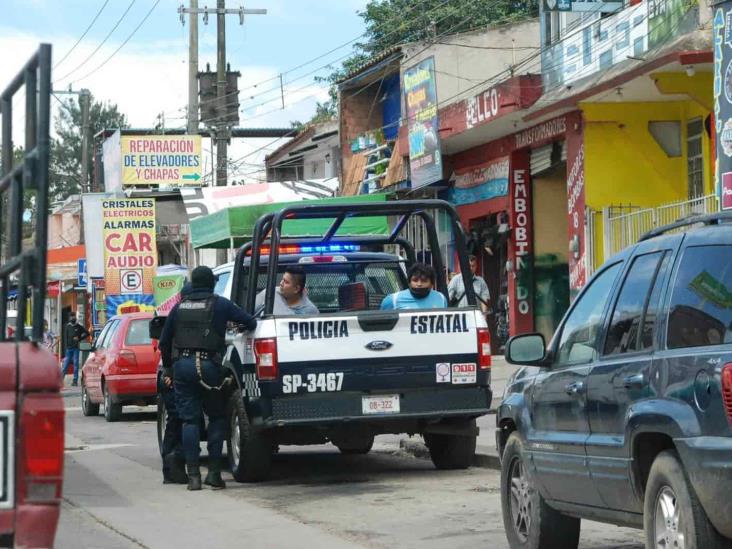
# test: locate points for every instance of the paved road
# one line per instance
(113, 497)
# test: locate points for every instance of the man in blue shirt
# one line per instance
(420, 294)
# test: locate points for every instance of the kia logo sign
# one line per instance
(165, 284)
(378, 345)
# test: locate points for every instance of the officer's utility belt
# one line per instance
(204, 355)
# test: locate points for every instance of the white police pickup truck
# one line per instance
(352, 371)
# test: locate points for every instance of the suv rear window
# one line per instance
(138, 333)
(701, 304)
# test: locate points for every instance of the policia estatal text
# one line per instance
(192, 346)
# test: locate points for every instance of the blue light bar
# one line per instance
(330, 248)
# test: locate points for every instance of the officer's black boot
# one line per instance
(194, 477)
(174, 470)
(213, 478)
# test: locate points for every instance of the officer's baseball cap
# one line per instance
(203, 277)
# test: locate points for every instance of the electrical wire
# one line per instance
(83, 34)
(121, 46)
(330, 63)
(64, 77)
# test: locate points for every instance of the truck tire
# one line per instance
(356, 446)
(451, 451)
(88, 408)
(162, 418)
(112, 411)
(249, 452)
(672, 510)
(529, 522)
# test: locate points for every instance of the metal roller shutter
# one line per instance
(541, 159)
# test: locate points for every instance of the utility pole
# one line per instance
(84, 104)
(222, 134)
(193, 70)
(222, 127)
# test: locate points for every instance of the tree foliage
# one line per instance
(389, 23)
(65, 176)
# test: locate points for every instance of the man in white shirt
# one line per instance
(290, 298)
(456, 288)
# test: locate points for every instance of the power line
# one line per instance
(122, 45)
(83, 35)
(100, 45)
(330, 63)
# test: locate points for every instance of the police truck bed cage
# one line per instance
(708, 219)
(26, 267)
(268, 231)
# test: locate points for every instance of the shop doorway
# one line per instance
(551, 226)
(489, 243)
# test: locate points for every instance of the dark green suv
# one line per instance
(625, 417)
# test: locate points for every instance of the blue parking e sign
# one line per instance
(81, 273)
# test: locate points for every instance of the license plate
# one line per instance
(384, 404)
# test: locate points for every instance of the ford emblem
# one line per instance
(379, 345)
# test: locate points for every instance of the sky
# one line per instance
(148, 75)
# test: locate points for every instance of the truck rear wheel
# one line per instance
(250, 453)
(452, 451)
(355, 446)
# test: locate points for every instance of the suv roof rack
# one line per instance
(707, 219)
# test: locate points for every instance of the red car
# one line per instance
(122, 367)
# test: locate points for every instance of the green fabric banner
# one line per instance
(218, 229)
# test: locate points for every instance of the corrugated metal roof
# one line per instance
(372, 62)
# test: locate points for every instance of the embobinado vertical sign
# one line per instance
(521, 280)
(420, 94)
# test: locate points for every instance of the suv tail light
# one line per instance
(42, 459)
(727, 390)
(484, 348)
(265, 353)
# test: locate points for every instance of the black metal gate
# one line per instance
(25, 268)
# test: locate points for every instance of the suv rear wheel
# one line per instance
(529, 522)
(672, 514)
(250, 453)
(452, 451)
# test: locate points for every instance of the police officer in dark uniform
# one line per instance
(174, 463)
(194, 336)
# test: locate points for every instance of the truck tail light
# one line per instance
(42, 458)
(265, 353)
(484, 348)
(727, 390)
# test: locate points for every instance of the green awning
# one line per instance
(218, 229)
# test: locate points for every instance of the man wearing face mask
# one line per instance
(420, 294)
(73, 334)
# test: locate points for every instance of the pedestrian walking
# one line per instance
(456, 288)
(49, 338)
(192, 346)
(74, 333)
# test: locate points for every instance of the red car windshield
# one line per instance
(138, 333)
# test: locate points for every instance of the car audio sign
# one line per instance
(163, 160)
(130, 252)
